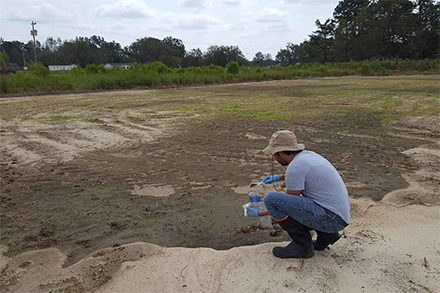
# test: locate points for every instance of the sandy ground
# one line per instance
(149, 200)
(386, 249)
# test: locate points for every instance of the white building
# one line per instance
(120, 65)
(61, 67)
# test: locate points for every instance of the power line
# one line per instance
(73, 27)
(97, 32)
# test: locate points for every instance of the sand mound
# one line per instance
(386, 249)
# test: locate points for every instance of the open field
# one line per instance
(172, 167)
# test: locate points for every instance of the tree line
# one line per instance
(371, 29)
(96, 50)
(360, 30)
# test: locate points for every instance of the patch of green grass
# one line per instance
(199, 108)
(247, 111)
(234, 109)
(388, 116)
(429, 111)
(136, 118)
(54, 118)
(122, 105)
(390, 97)
(256, 111)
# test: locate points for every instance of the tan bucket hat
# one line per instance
(283, 140)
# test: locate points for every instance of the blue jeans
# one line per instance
(302, 209)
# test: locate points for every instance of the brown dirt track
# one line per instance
(173, 179)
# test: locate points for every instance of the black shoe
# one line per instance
(301, 245)
(325, 239)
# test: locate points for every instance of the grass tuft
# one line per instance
(54, 118)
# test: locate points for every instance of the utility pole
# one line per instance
(34, 33)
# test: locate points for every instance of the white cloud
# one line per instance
(43, 12)
(126, 9)
(254, 25)
(230, 2)
(118, 26)
(191, 3)
(196, 22)
(268, 14)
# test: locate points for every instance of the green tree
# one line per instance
(14, 50)
(306, 52)
(426, 41)
(287, 55)
(193, 58)
(216, 55)
(103, 51)
(393, 24)
(347, 28)
(148, 50)
(262, 60)
(76, 52)
(48, 58)
(113, 51)
(222, 55)
(323, 39)
(258, 59)
(51, 44)
(176, 44)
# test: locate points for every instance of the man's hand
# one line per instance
(271, 178)
(252, 212)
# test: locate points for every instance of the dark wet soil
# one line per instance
(86, 204)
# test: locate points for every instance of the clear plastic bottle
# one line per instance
(255, 202)
(265, 221)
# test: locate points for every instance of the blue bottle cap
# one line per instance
(255, 199)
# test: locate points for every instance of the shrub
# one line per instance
(323, 70)
(3, 84)
(39, 69)
(233, 67)
(136, 67)
(157, 67)
(91, 68)
(3, 62)
(77, 71)
(102, 69)
(364, 69)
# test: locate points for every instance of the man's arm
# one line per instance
(293, 192)
(263, 213)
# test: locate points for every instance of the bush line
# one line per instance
(97, 77)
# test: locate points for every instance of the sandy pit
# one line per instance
(142, 192)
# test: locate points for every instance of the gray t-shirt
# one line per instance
(319, 180)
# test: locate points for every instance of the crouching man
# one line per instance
(316, 198)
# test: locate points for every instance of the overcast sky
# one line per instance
(253, 25)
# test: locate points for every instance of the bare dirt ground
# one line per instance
(80, 173)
